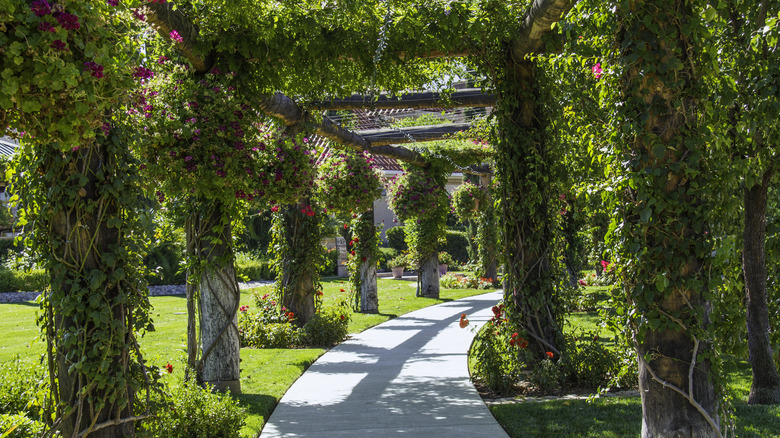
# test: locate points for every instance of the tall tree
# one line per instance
(662, 246)
(748, 55)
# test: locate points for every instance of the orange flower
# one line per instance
(463, 321)
(290, 316)
(549, 354)
(169, 367)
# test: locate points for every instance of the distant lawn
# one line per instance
(265, 374)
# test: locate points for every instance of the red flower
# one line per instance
(522, 343)
(549, 354)
(346, 226)
(343, 317)
(341, 290)
(604, 264)
(169, 367)
(363, 259)
(290, 316)
(275, 208)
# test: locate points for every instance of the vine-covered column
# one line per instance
(297, 248)
(524, 168)
(82, 211)
(419, 199)
(661, 234)
(363, 259)
(348, 183)
(487, 234)
(210, 234)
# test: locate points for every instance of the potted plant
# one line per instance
(397, 265)
(445, 260)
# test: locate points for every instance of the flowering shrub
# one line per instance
(454, 280)
(202, 139)
(467, 199)
(496, 350)
(416, 195)
(446, 259)
(64, 65)
(328, 327)
(267, 325)
(189, 410)
(348, 181)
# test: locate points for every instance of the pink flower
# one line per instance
(95, 69)
(582, 282)
(162, 59)
(67, 21)
(58, 45)
(143, 73)
(604, 264)
(113, 2)
(45, 26)
(275, 208)
(597, 71)
(176, 37)
(40, 8)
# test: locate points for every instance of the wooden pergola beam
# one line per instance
(538, 21)
(164, 19)
(388, 136)
(469, 97)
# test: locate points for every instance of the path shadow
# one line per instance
(403, 376)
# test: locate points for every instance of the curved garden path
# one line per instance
(406, 376)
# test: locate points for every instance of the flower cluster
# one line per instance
(467, 199)
(455, 280)
(516, 340)
(307, 210)
(203, 140)
(414, 194)
(348, 181)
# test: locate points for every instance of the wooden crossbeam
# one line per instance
(469, 97)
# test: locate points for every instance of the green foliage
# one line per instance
(24, 280)
(98, 288)
(203, 140)
(298, 253)
(20, 426)
(419, 195)
(347, 181)
(495, 353)
(328, 327)
(453, 280)
(165, 256)
(396, 238)
(467, 199)
(252, 269)
(400, 261)
(457, 246)
(446, 259)
(385, 255)
(362, 248)
(331, 262)
(59, 84)
(23, 389)
(189, 410)
(589, 363)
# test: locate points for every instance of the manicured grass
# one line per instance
(612, 417)
(265, 374)
(622, 417)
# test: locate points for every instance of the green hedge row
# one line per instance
(34, 280)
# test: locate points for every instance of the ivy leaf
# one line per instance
(645, 214)
(661, 283)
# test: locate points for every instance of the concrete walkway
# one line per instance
(408, 376)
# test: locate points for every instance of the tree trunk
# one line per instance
(369, 300)
(301, 236)
(765, 388)
(429, 276)
(664, 222)
(83, 236)
(488, 239)
(218, 305)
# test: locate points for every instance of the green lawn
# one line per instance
(622, 417)
(265, 374)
